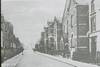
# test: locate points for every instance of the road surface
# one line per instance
(32, 59)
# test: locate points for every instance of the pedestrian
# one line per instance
(66, 51)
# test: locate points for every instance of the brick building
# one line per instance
(51, 37)
(94, 31)
(51, 41)
(46, 39)
(58, 35)
(75, 23)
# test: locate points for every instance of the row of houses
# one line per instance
(50, 40)
(77, 36)
(10, 44)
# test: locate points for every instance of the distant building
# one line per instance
(42, 42)
(58, 35)
(46, 39)
(51, 41)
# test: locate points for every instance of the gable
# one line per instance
(71, 4)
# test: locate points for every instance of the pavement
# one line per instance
(36, 59)
(12, 61)
(68, 61)
(32, 59)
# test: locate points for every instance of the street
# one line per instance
(31, 59)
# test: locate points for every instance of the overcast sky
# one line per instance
(30, 16)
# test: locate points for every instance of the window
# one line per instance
(93, 24)
(92, 7)
(67, 27)
(71, 21)
(71, 40)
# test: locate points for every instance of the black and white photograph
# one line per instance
(50, 33)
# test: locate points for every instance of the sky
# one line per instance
(30, 16)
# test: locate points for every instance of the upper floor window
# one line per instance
(71, 21)
(65, 28)
(92, 7)
(93, 24)
(72, 40)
